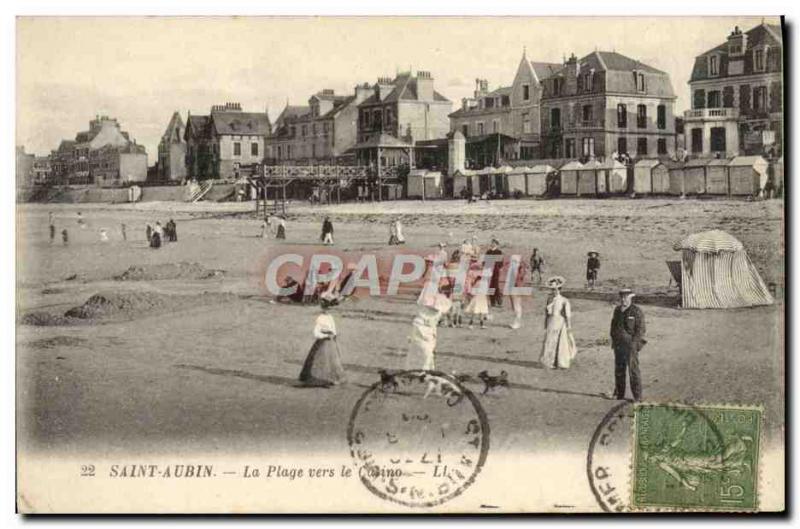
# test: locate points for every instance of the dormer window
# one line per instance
(713, 65)
(638, 81)
(759, 55)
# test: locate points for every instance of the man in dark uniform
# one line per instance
(627, 339)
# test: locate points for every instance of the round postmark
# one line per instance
(613, 449)
(608, 460)
(418, 438)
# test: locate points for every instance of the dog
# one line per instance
(461, 378)
(491, 382)
(388, 380)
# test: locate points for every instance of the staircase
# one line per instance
(204, 188)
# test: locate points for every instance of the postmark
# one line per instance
(608, 459)
(421, 442)
(695, 457)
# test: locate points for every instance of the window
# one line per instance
(569, 147)
(526, 92)
(641, 147)
(638, 81)
(280, 152)
(388, 116)
(237, 148)
(758, 60)
(480, 128)
(313, 150)
(305, 130)
(727, 97)
(292, 131)
(744, 97)
(622, 145)
(555, 118)
(717, 139)
(377, 122)
(254, 149)
(325, 127)
(713, 65)
(697, 141)
(699, 99)
(587, 147)
(641, 116)
(661, 118)
(313, 129)
(505, 101)
(760, 98)
(465, 129)
(558, 84)
(714, 99)
(622, 116)
(495, 126)
(586, 114)
(662, 146)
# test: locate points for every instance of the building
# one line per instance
(42, 170)
(219, 144)
(513, 111)
(172, 151)
(24, 167)
(323, 131)
(79, 162)
(115, 165)
(398, 113)
(737, 96)
(607, 102)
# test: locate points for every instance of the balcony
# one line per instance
(711, 114)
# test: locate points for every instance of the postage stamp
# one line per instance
(696, 457)
(418, 439)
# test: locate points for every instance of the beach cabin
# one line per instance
(465, 183)
(588, 181)
(694, 175)
(717, 177)
(500, 180)
(422, 183)
(650, 177)
(747, 175)
(614, 177)
(536, 179)
(515, 180)
(569, 178)
(676, 183)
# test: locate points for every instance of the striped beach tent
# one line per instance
(716, 273)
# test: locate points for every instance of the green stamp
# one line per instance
(696, 457)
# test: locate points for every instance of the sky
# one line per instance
(142, 69)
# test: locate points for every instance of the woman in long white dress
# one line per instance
(558, 349)
(422, 340)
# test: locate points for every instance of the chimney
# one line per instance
(481, 88)
(384, 87)
(424, 86)
(737, 42)
(362, 91)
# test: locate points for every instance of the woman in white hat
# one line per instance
(558, 349)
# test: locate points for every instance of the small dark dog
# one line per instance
(461, 377)
(388, 380)
(491, 382)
